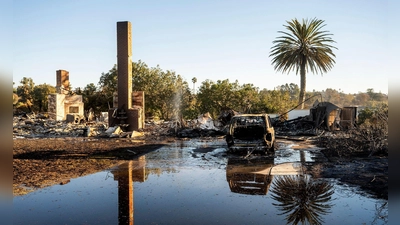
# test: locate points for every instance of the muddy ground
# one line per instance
(370, 174)
(44, 162)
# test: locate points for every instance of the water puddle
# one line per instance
(197, 182)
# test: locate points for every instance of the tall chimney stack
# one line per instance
(124, 65)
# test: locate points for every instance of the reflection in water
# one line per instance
(254, 176)
(302, 198)
(181, 189)
(242, 177)
(126, 174)
(381, 213)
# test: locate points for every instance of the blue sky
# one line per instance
(206, 39)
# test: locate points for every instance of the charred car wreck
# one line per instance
(251, 132)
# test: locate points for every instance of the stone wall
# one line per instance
(56, 106)
(73, 105)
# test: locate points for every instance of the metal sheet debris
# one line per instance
(323, 116)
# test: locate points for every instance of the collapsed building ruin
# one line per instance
(128, 106)
(62, 105)
(323, 116)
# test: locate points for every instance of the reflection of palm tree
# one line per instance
(301, 198)
(302, 156)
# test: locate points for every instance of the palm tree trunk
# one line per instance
(302, 156)
(302, 95)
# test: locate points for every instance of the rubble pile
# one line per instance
(301, 126)
(39, 125)
(203, 126)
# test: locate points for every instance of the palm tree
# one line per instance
(194, 80)
(304, 47)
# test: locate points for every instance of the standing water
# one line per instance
(197, 182)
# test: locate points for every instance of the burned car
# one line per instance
(251, 132)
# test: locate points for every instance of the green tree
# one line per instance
(158, 88)
(190, 108)
(40, 96)
(361, 99)
(90, 97)
(25, 93)
(78, 91)
(167, 94)
(374, 96)
(304, 47)
(213, 97)
(292, 88)
(248, 98)
(162, 89)
(275, 101)
(371, 93)
(108, 85)
(331, 95)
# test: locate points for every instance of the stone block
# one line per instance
(56, 106)
(134, 119)
(74, 118)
